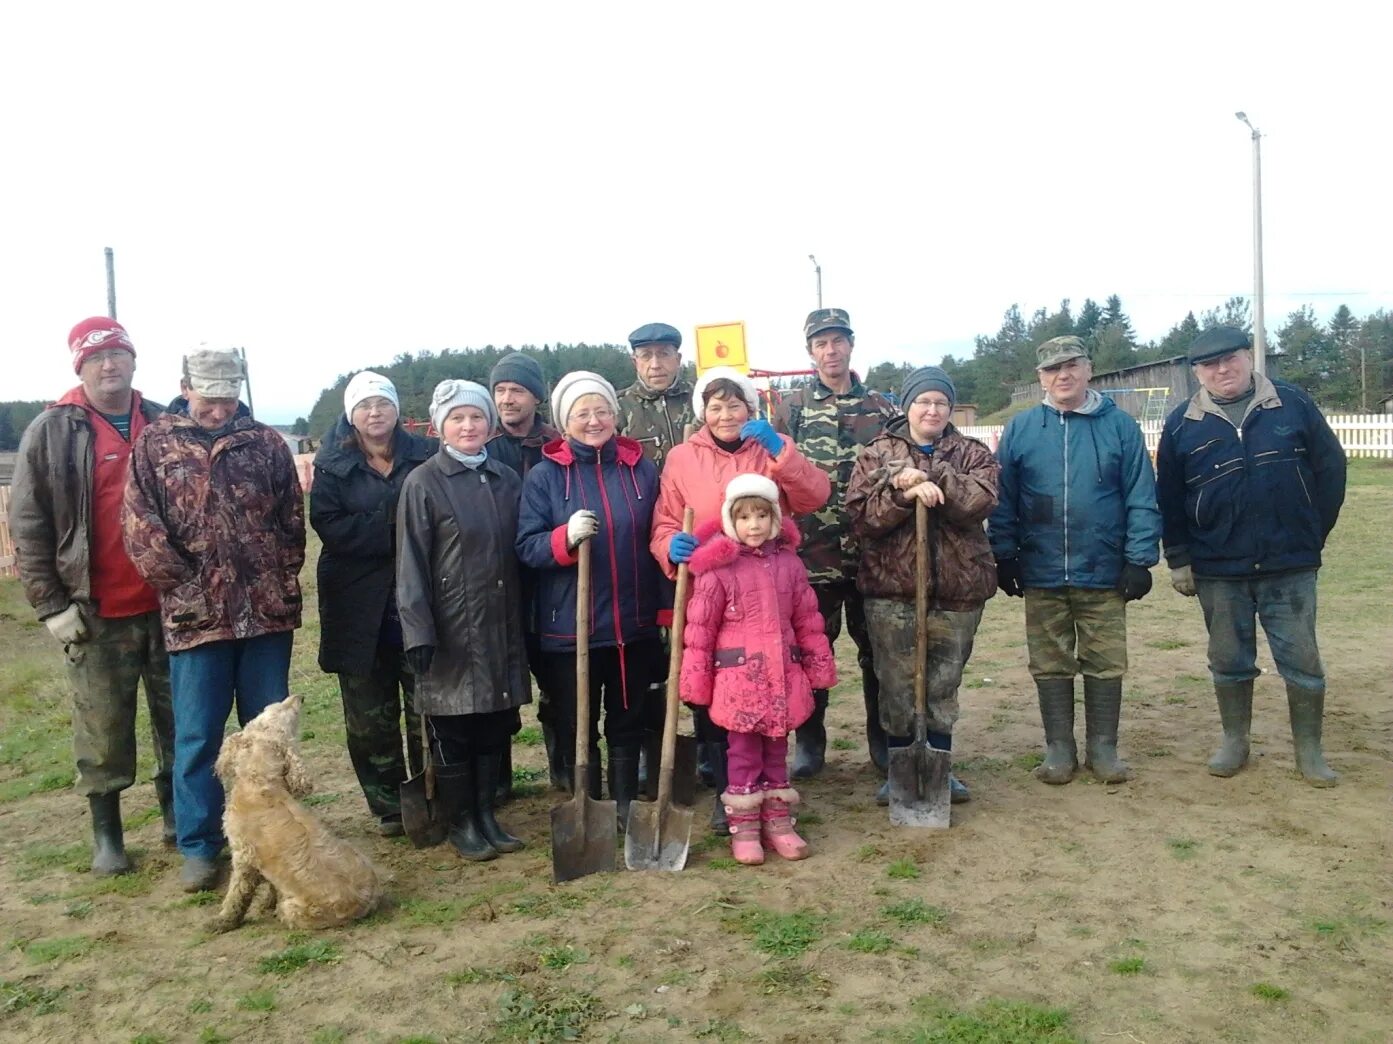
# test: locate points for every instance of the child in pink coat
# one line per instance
(754, 650)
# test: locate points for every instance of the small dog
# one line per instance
(315, 880)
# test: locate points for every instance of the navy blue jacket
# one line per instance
(621, 487)
(1077, 497)
(1254, 500)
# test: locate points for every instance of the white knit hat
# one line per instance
(450, 393)
(572, 387)
(750, 485)
(730, 373)
(368, 385)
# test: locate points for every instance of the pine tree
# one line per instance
(1113, 315)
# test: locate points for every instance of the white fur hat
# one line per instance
(730, 373)
(572, 387)
(368, 385)
(750, 485)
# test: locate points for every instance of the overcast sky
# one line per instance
(329, 185)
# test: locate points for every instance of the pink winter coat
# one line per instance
(754, 647)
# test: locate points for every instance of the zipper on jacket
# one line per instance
(1064, 420)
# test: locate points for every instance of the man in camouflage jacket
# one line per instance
(830, 419)
(656, 410)
(214, 520)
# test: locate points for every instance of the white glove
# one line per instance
(1183, 580)
(68, 626)
(581, 527)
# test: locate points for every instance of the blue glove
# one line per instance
(680, 547)
(763, 432)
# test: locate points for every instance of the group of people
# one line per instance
(166, 546)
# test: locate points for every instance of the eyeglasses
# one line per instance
(654, 354)
(586, 416)
(109, 353)
(934, 404)
(380, 405)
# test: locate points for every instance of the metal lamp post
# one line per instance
(818, 269)
(1259, 329)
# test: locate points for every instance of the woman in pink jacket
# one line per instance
(754, 650)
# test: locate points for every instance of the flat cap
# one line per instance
(1216, 342)
(655, 333)
(1060, 350)
(827, 319)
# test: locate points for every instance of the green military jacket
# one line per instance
(657, 421)
(830, 431)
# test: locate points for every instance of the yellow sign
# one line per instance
(721, 344)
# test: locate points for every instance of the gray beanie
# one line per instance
(517, 368)
(927, 378)
(449, 394)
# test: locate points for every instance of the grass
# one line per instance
(915, 911)
(559, 958)
(903, 870)
(37, 860)
(791, 980)
(257, 1000)
(777, 934)
(545, 1015)
(1183, 848)
(992, 1022)
(1127, 966)
(473, 976)
(32, 997)
(723, 863)
(529, 736)
(299, 955)
(842, 743)
(59, 950)
(1266, 991)
(869, 940)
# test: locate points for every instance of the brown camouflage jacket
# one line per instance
(657, 421)
(962, 574)
(216, 525)
(831, 430)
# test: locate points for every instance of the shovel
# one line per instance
(424, 817)
(583, 831)
(919, 794)
(659, 832)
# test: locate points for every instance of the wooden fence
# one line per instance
(7, 546)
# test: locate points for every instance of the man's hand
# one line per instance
(907, 478)
(1008, 577)
(763, 432)
(68, 626)
(1183, 580)
(581, 527)
(419, 659)
(680, 548)
(1135, 582)
(929, 492)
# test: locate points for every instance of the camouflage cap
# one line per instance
(827, 319)
(214, 373)
(1059, 350)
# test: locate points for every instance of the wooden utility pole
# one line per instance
(110, 283)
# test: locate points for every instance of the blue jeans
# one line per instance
(253, 673)
(1285, 605)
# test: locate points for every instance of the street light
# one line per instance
(817, 268)
(1259, 330)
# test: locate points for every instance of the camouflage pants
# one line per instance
(1075, 630)
(372, 715)
(105, 672)
(892, 628)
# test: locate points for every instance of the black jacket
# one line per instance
(353, 509)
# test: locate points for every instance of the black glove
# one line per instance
(1008, 577)
(419, 659)
(1135, 582)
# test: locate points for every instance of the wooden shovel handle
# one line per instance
(582, 666)
(921, 617)
(674, 673)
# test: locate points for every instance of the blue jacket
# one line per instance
(1077, 497)
(1249, 501)
(620, 486)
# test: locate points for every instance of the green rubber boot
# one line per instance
(1057, 714)
(1102, 707)
(1236, 715)
(1307, 707)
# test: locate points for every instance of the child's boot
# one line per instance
(742, 815)
(777, 826)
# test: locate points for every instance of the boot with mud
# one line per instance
(743, 816)
(1102, 708)
(1057, 715)
(108, 844)
(487, 769)
(164, 792)
(1236, 716)
(198, 874)
(1307, 708)
(810, 753)
(958, 794)
(456, 787)
(560, 752)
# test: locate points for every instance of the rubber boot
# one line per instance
(877, 743)
(456, 786)
(743, 816)
(1057, 715)
(503, 786)
(1236, 715)
(1102, 707)
(720, 780)
(108, 844)
(560, 755)
(488, 768)
(593, 776)
(957, 792)
(623, 780)
(198, 874)
(882, 796)
(1307, 708)
(651, 753)
(811, 752)
(164, 791)
(776, 824)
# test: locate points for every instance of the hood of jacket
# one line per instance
(715, 549)
(566, 451)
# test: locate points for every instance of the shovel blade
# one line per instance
(425, 822)
(584, 835)
(919, 795)
(657, 838)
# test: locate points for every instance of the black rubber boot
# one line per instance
(651, 753)
(503, 786)
(593, 777)
(1236, 715)
(1102, 708)
(1307, 708)
(488, 768)
(1057, 714)
(164, 791)
(561, 756)
(811, 752)
(957, 791)
(720, 779)
(108, 844)
(623, 780)
(876, 741)
(458, 789)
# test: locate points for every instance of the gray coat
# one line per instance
(457, 585)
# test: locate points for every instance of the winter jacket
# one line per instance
(698, 471)
(1254, 500)
(657, 421)
(353, 508)
(51, 504)
(521, 452)
(754, 645)
(457, 585)
(621, 487)
(216, 525)
(962, 574)
(1077, 496)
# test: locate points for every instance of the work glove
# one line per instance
(680, 548)
(1008, 577)
(763, 432)
(581, 527)
(419, 659)
(68, 626)
(1135, 582)
(1183, 580)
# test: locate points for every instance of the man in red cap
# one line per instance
(66, 518)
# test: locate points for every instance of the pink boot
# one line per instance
(742, 813)
(778, 824)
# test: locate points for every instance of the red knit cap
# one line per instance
(95, 335)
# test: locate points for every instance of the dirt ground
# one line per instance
(1176, 907)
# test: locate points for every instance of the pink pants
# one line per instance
(755, 762)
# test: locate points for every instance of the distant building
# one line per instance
(298, 443)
